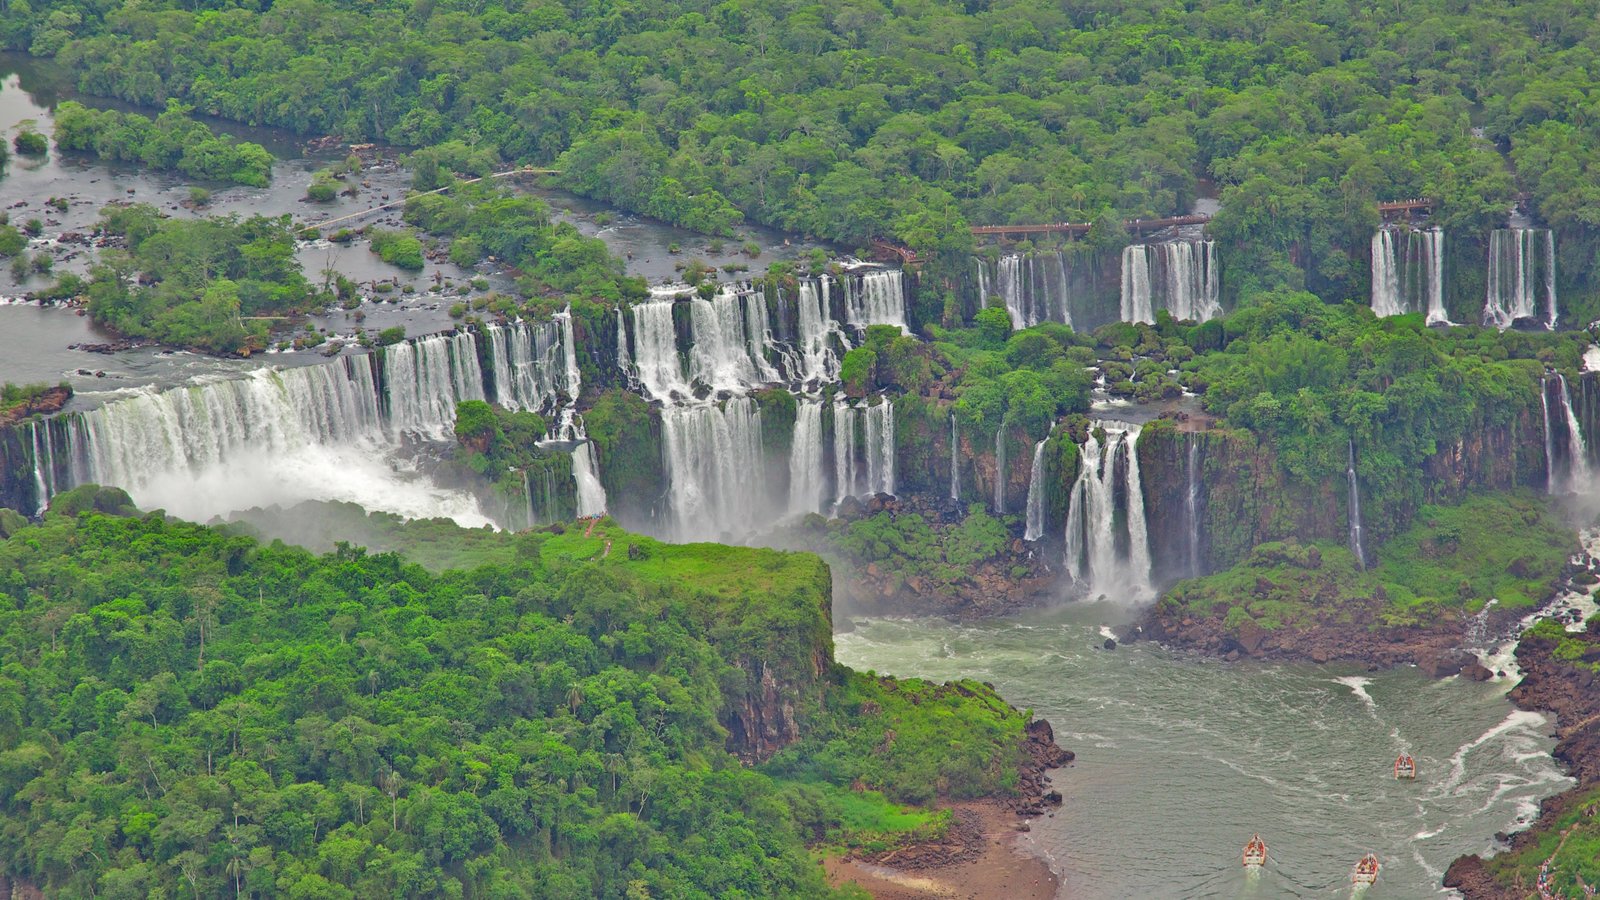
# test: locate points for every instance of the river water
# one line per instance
(1181, 759)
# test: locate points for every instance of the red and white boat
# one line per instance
(1255, 853)
(1405, 768)
(1366, 871)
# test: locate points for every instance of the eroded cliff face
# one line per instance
(780, 674)
(1244, 496)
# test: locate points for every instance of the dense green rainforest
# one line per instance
(850, 120)
(185, 711)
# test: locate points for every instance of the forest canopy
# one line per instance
(184, 711)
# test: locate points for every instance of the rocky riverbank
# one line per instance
(982, 855)
(1560, 677)
(46, 402)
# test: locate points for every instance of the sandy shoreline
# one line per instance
(986, 862)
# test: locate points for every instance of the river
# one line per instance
(1181, 759)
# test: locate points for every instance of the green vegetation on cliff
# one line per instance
(187, 712)
(1448, 564)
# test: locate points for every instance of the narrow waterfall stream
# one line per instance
(1036, 489)
(1355, 510)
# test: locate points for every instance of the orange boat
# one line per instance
(1366, 870)
(1255, 853)
(1405, 767)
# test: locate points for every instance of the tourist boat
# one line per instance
(1255, 853)
(1405, 767)
(1366, 870)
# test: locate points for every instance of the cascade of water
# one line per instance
(426, 378)
(41, 489)
(1514, 270)
(955, 463)
(1136, 284)
(1093, 557)
(758, 335)
(1433, 255)
(1578, 476)
(531, 514)
(1036, 488)
(1000, 471)
(720, 357)
(713, 461)
(591, 493)
(656, 351)
(569, 347)
(818, 332)
(129, 442)
(1551, 314)
(1355, 510)
(1191, 503)
(1008, 284)
(880, 448)
(1574, 476)
(880, 299)
(1385, 275)
(1551, 479)
(844, 450)
(623, 361)
(984, 290)
(806, 486)
(527, 374)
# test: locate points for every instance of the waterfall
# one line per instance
(1550, 278)
(712, 454)
(591, 494)
(1433, 253)
(1034, 287)
(1036, 490)
(1191, 503)
(527, 373)
(569, 346)
(1550, 478)
(656, 351)
(1574, 476)
(172, 437)
(1412, 280)
(1136, 284)
(1515, 271)
(720, 357)
(1092, 539)
(844, 450)
(955, 463)
(1000, 471)
(623, 362)
(818, 332)
(1385, 275)
(41, 486)
(880, 299)
(1355, 510)
(758, 335)
(426, 378)
(806, 486)
(880, 448)
(1182, 275)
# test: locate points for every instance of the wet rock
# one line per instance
(1476, 671)
(1110, 644)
